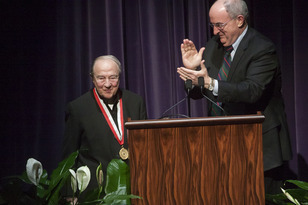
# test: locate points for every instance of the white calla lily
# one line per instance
(34, 170)
(73, 180)
(290, 197)
(83, 177)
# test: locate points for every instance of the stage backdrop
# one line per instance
(47, 49)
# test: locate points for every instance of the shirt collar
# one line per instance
(238, 41)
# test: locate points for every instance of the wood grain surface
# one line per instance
(210, 164)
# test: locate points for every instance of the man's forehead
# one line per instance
(219, 17)
(105, 62)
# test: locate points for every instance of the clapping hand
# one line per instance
(193, 75)
(190, 56)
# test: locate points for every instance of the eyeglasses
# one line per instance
(219, 25)
(103, 79)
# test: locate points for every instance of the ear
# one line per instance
(240, 21)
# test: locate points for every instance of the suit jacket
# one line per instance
(87, 130)
(253, 84)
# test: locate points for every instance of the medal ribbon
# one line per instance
(118, 135)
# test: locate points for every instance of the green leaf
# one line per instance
(55, 195)
(118, 183)
(92, 195)
(60, 174)
(276, 198)
(118, 177)
(44, 178)
(63, 167)
(41, 192)
(116, 197)
(44, 182)
(300, 194)
(94, 202)
(300, 184)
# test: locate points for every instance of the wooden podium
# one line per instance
(213, 160)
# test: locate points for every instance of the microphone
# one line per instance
(201, 84)
(188, 85)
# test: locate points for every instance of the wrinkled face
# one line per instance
(106, 77)
(229, 29)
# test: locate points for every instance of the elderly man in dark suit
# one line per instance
(95, 121)
(244, 80)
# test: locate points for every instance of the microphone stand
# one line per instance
(188, 86)
(201, 84)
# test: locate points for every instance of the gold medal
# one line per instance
(123, 153)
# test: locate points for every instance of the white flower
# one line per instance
(34, 170)
(73, 180)
(83, 177)
(290, 197)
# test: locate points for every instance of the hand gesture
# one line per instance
(190, 56)
(193, 74)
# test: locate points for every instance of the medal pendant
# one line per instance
(123, 153)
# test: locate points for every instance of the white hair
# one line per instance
(107, 57)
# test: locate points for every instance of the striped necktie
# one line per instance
(224, 70)
(223, 76)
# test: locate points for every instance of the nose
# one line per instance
(215, 30)
(107, 83)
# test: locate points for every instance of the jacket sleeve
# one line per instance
(143, 110)
(71, 142)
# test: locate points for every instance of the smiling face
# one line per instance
(231, 29)
(106, 77)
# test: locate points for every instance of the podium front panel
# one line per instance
(213, 163)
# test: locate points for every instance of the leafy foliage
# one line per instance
(117, 187)
(300, 194)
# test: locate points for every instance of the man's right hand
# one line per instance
(190, 56)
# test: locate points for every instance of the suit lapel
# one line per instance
(217, 62)
(215, 57)
(239, 53)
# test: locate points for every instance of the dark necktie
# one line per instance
(223, 76)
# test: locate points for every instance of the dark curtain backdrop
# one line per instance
(47, 49)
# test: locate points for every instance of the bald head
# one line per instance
(228, 20)
(218, 7)
(232, 7)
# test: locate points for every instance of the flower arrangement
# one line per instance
(47, 190)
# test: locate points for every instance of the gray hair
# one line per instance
(107, 57)
(236, 7)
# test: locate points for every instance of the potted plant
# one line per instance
(43, 189)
